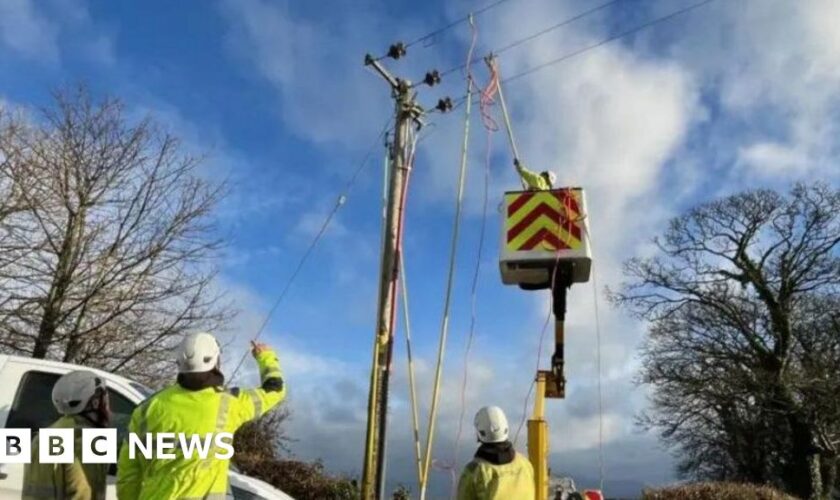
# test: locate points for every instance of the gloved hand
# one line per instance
(258, 347)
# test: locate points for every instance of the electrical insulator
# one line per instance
(396, 50)
(432, 78)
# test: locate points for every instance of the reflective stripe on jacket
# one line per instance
(178, 410)
(75, 481)
(482, 480)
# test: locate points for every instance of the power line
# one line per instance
(540, 33)
(458, 21)
(554, 27)
(458, 102)
(607, 40)
(342, 198)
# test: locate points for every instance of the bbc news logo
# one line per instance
(99, 446)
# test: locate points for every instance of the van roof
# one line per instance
(67, 367)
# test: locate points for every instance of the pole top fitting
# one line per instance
(403, 85)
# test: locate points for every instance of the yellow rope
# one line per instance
(411, 385)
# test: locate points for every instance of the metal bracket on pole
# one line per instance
(371, 61)
(415, 111)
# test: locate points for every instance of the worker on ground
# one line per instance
(497, 472)
(197, 404)
(542, 181)
(82, 399)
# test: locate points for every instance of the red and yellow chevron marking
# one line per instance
(543, 220)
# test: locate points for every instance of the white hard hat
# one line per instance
(73, 391)
(491, 425)
(199, 352)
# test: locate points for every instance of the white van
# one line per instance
(25, 403)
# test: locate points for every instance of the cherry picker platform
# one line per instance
(545, 245)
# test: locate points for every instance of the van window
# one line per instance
(121, 408)
(33, 409)
(142, 389)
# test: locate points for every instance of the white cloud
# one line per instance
(328, 398)
(316, 66)
(616, 121)
(773, 159)
(609, 121)
(81, 35)
(300, 366)
(27, 32)
(776, 68)
(47, 31)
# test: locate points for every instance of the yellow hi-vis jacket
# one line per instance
(74, 481)
(534, 181)
(178, 410)
(482, 480)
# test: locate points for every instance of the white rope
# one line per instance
(508, 126)
(494, 69)
(453, 250)
(407, 325)
(411, 384)
(474, 294)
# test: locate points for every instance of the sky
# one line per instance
(734, 94)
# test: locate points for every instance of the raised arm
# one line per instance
(249, 404)
(532, 179)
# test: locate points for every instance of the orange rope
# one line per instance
(488, 98)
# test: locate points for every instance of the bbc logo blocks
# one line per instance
(58, 446)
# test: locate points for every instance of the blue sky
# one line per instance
(733, 95)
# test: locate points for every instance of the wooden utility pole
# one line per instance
(406, 113)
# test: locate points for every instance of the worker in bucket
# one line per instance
(542, 181)
(197, 404)
(82, 399)
(496, 472)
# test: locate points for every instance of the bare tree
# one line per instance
(116, 243)
(743, 350)
(11, 200)
(265, 438)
